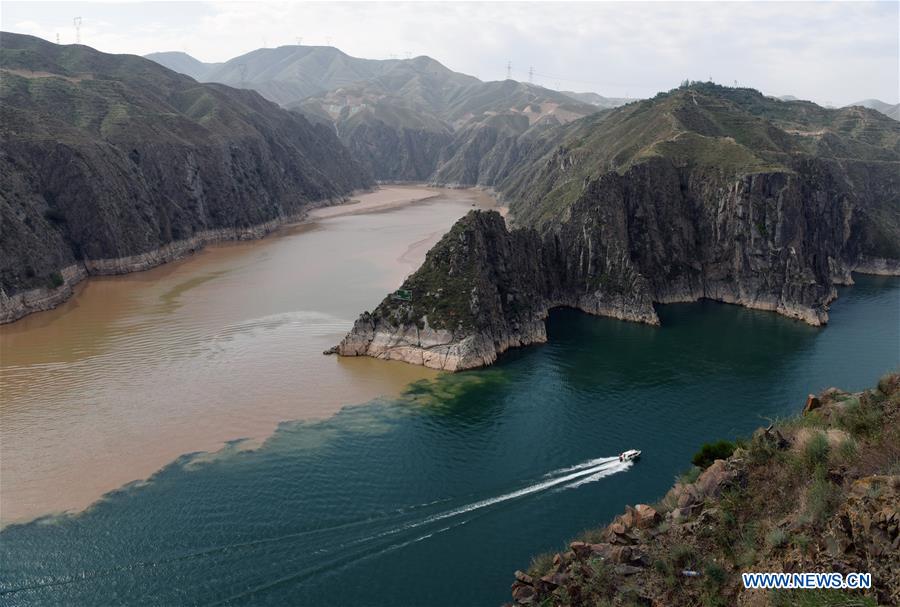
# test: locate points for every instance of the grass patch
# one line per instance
(821, 498)
(815, 452)
(777, 538)
(541, 564)
(818, 598)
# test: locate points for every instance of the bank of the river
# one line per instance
(16, 306)
(435, 497)
(136, 370)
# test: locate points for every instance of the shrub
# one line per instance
(541, 564)
(802, 542)
(56, 280)
(860, 419)
(666, 571)
(683, 556)
(847, 451)
(710, 452)
(714, 577)
(815, 452)
(777, 538)
(821, 499)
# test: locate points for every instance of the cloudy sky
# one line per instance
(828, 52)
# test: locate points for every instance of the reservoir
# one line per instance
(382, 484)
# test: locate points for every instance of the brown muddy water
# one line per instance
(136, 370)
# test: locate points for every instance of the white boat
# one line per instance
(629, 455)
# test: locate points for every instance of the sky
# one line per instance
(832, 53)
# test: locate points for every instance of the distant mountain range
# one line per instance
(599, 100)
(403, 119)
(892, 111)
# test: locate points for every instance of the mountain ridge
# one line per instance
(113, 163)
(403, 119)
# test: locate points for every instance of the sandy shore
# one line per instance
(383, 199)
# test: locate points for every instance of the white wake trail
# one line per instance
(588, 464)
(609, 465)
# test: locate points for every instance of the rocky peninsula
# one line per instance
(701, 193)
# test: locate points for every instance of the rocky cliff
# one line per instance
(112, 163)
(817, 493)
(701, 193)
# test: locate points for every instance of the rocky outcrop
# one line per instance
(705, 192)
(658, 233)
(483, 290)
(775, 505)
(112, 163)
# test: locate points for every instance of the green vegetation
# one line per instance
(815, 452)
(710, 452)
(56, 280)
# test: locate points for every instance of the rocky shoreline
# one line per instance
(21, 304)
(815, 493)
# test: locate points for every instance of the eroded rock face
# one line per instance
(657, 234)
(143, 169)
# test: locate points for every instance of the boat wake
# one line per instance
(333, 554)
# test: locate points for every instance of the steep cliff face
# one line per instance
(394, 152)
(111, 163)
(612, 225)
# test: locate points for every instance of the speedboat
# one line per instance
(629, 455)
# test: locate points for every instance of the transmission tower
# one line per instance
(77, 23)
(408, 55)
(299, 40)
(509, 70)
(57, 37)
(531, 75)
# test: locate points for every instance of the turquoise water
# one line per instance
(436, 498)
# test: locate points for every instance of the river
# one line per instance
(432, 493)
(136, 370)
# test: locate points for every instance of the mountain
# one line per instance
(290, 73)
(892, 111)
(403, 120)
(411, 123)
(183, 64)
(817, 492)
(598, 100)
(113, 163)
(702, 192)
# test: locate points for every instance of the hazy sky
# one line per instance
(830, 52)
